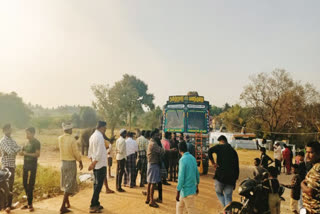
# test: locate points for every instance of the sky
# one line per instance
(53, 51)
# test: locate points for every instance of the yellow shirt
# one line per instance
(68, 148)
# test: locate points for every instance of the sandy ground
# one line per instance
(132, 201)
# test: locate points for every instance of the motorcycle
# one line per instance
(254, 199)
(5, 174)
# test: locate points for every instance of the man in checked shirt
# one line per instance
(9, 150)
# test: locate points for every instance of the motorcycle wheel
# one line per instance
(233, 208)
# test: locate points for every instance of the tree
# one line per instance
(236, 117)
(276, 100)
(133, 96)
(13, 110)
(126, 99)
(106, 104)
(226, 107)
(122, 101)
(215, 110)
(41, 122)
(76, 120)
(151, 119)
(145, 99)
(88, 117)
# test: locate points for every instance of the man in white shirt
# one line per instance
(277, 157)
(121, 155)
(98, 154)
(130, 173)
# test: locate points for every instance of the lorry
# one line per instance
(189, 115)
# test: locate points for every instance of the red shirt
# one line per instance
(166, 144)
(286, 154)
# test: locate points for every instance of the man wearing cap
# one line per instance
(98, 154)
(69, 155)
(9, 150)
(121, 158)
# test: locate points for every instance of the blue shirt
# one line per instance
(189, 176)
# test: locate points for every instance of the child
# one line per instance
(109, 158)
(273, 186)
(295, 189)
(302, 172)
(259, 171)
(265, 159)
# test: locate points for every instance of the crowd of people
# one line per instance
(159, 158)
(305, 182)
(156, 158)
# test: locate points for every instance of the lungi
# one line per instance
(153, 173)
(130, 172)
(142, 167)
(69, 177)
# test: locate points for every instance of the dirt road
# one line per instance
(132, 201)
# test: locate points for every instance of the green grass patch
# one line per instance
(47, 184)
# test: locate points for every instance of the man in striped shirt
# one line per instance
(311, 184)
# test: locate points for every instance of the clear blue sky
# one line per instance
(51, 52)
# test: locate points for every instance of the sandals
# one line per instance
(158, 200)
(25, 207)
(8, 210)
(154, 205)
(65, 211)
(109, 191)
(95, 211)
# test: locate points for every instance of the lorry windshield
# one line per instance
(175, 119)
(197, 121)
